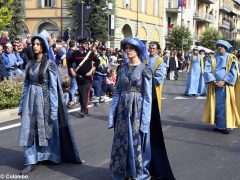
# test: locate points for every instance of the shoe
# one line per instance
(70, 104)
(81, 115)
(97, 104)
(27, 169)
(222, 131)
(81, 162)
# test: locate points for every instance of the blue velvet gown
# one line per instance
(45, 132)
(130, 115)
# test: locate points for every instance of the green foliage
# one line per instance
(236, 45)
(10, 94)
(6, 13)
(98, 20)
(209, 38)
(15, 27)
(11, 16)
(178, 34)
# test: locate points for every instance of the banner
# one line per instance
(182, 3)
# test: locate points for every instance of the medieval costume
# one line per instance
(220, 75)
(195, 81)
(46, 132)
(158, 67)
(130, 115)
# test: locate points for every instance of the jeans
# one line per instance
(73, 89)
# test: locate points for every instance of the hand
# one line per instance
(73, 73)
(89, 73)
(17, 64)
(221, 84)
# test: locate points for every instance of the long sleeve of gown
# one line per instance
(115, 99)
(231, 76)
(159, 74)
(53, 95)
(208, 74)
(147, 104)
(25, 90)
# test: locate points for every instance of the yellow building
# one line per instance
(139, 18)
(50, 15)
(205, 16)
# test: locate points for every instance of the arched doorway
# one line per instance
(155, 36)
(126, 31)
(49, 27)
(142, 34)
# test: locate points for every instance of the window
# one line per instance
(47, 3)
(143, 6)
(127, 4)
(156, 8)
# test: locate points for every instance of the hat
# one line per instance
(155, 43)
(43, 40)
(82, 40)
(9, 45)
(138, 45)
(102, 47)
(225, 44)
(196, 49)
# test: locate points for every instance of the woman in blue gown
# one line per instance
(45, 132)
(130, 112)
(195, 82)
(130, 116)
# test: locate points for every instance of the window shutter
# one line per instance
(53, 3)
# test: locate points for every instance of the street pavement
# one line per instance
(195, 151)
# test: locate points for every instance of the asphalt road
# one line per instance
(195, 151)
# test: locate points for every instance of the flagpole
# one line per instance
(181, 11)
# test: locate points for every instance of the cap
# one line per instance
(9, 45)
(155, 43)
(82, 40)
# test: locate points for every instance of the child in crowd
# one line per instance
(110, 82)
(66, 87)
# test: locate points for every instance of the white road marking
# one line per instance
(71, 110)
(10, 126)
(181, 97)
(201, 97)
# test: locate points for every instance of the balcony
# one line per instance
(173, 10)
(237, 1)
(208, 1)
(224, 24)
(196, 37)
(225, 8)
(203, 17)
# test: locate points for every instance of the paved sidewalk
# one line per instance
(8, 114)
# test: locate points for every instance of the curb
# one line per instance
(8, 115)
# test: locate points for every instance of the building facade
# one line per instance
(49, 15)
(198, 15)
(139, 18)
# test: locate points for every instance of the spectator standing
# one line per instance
(4, 39)
(12, 61)
(73, 82)
(99, 80)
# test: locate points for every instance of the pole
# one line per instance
(82, 19)
(181, 11)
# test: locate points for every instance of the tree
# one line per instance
(209, 38)
(177, 37)
(98, 20)
(15, 27)
(6, 13)
(11, 16)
